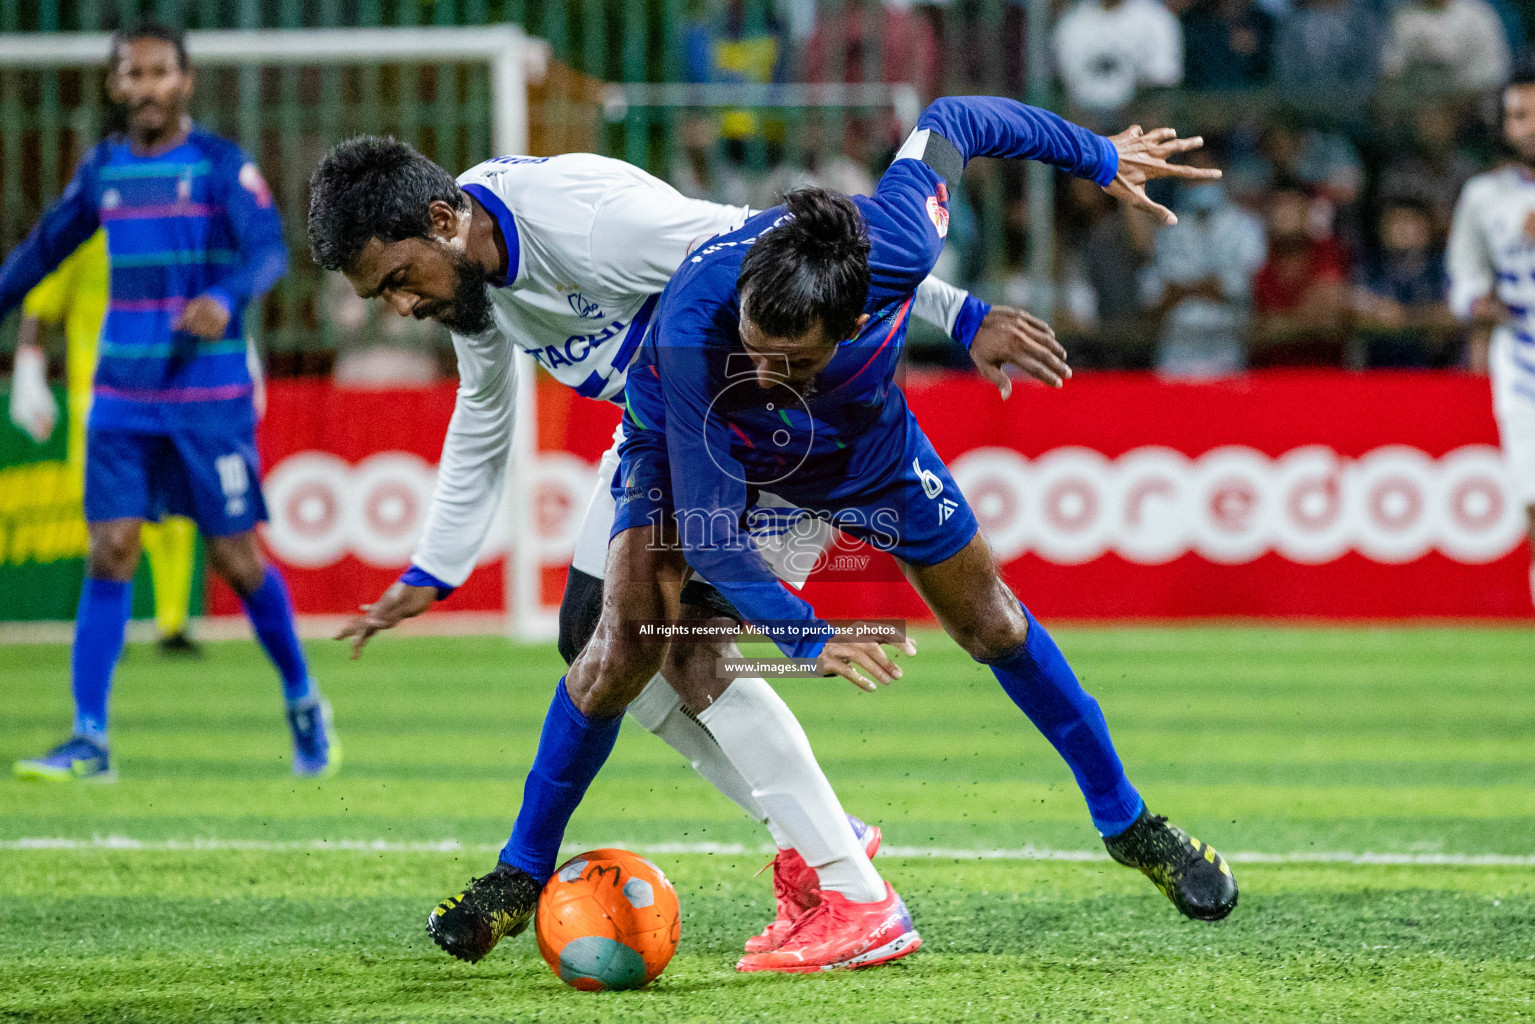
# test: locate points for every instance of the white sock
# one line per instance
(659, 709)
(763, 739)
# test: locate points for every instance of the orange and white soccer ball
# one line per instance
(608, 919)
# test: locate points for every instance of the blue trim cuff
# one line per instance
(1108, 165)
(414, 577)
(971, 313)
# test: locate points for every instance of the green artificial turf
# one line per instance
(1305, 743)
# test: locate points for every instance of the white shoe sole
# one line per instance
(910, 942)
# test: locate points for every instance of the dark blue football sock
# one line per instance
(1043, 686)
(99, 626)
(271, 613)
(571, 750)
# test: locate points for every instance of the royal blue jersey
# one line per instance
(693, 385)
(194, 220)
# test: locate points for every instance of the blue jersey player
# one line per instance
(193, 238)
(770, 363)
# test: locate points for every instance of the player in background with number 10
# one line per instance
(193, 238)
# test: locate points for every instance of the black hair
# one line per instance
(813, 266)
(372, 187)
(148, 30)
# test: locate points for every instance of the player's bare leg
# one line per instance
(643, 583)
(114, 549)
(237, 560)
(976, 607)
(686, 687)
(100, 627)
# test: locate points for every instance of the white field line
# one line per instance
(740, 849)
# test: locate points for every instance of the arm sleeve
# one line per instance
(908, 216)
(472, 471)
(993, 126)
(709, 497)
(953, 310)
(643, 230)
(1467, 261)
(258, 235)
(67, 224)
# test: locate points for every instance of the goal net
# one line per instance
(460, 95)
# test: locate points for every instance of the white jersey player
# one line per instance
(1491, 265)
(565, 258)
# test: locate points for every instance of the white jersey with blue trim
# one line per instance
(591, 242)
(1492, 252)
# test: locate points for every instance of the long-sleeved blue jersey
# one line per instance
(191, 221)
(724, 437)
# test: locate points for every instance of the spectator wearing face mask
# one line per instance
(1400, 310)
(1199, 283)
(1300, 297)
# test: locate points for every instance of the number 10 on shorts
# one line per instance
(234, 480)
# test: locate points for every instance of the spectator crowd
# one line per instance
(1346, 129)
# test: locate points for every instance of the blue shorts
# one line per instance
(889, 489)
(213, 479)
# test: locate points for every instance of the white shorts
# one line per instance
(791, 555)
(1513, 403)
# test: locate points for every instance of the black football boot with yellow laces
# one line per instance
(494, 906)
(1190, 873)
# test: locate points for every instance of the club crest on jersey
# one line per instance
(938, 214)
(584, 307)
(252, 181)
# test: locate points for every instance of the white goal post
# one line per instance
(513, 59)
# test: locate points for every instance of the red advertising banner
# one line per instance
(1294, 495)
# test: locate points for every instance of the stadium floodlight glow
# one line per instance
(513, 58)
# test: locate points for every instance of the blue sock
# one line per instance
(271, 613)
(99, 626)
(571, 750)
(1043, 686)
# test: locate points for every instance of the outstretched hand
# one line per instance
(401, 601)
(1143, 157)
(1011, 337)
(864, 663)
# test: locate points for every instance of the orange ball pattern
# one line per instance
(608, 919)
